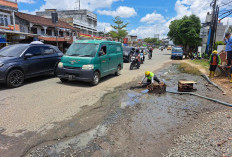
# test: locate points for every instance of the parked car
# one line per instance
(177, 52)
(127, 53)
(21, 61)
(90, 60)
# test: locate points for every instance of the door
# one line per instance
(104, 60)
(35, 63)
(113, 64)
(50, 58)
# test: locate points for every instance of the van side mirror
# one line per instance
(28, 55)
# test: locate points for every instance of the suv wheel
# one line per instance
(63, 80)
(15, 78)
(95, 79)
(118, 72)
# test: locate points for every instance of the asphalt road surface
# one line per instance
(42, 102)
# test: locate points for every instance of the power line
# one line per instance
(223, 4)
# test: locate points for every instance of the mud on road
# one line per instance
(126, 122)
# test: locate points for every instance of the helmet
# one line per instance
(147, 73)
(215, 52)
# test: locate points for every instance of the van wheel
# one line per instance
(118, 72)
(95, 79)
(15, 78)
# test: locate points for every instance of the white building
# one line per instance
(84, 20)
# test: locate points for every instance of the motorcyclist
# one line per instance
(150, 51)
(151, 77)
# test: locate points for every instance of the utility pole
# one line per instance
(213, 27)
(79, 4)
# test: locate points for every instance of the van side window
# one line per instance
(112, 48)
(118, 48)
(103, 49)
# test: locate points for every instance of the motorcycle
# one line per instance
(149, 55)
(142, 58)
(134, 62)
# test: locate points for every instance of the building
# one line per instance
(221, 30)
(84, 20)
(44, 30)
(8, 28)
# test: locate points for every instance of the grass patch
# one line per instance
(203, 62)
(186, 68)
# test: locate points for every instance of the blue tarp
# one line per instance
(3, 40)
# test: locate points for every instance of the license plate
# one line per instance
(70, 77)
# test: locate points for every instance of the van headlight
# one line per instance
(1, 64)
(88, 67)
(60, 65)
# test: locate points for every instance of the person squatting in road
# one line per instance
(214, 61)
(151, 77)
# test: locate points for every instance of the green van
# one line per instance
(90, 60)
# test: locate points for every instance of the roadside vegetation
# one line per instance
(203, 62)
(187, 68)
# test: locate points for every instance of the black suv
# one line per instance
(22, 61)
(127, 53)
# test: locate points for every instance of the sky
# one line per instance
(145, 17)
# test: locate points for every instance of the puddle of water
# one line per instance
(79, 141)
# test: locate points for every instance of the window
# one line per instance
(4, 20)
(82, 50)
(104, 50)
(35, 50)
(48, 51)
(13, 50)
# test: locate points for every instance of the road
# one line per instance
(42, 102)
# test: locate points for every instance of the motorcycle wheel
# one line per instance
(131, 66)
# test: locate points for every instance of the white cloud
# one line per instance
(182, 8)
(104, 27)
(150, 31)
(122, 11)
(152, 18)
(26, 1)
(71, 4)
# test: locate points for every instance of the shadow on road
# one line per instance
(86, 84)
(29, 81)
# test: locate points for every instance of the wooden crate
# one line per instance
(157, 88)
(186, 86)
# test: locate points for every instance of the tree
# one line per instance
(186, 32)
(119, 31)
(152, 41)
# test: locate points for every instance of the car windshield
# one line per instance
(12, 51)
(177, 50)
(83, 50)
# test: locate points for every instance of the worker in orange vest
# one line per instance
(214, 61)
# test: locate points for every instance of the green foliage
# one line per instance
(217, 43)
(185, 31)
(119, 31)
(152, 41)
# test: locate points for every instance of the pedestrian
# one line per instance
(214, 61)
(228, 42)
